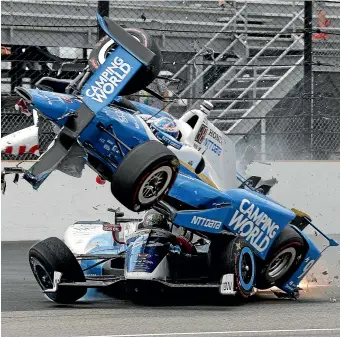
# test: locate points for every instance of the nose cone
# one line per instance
(51, 104)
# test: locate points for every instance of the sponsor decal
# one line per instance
(115, 149)
(48, 99)
(204, 222)
(111, 227)
(212, 146)
(108, 145)
(227, 284)
(60, 99)
(66, 99)
(148, 118)
(255, 226)
(109, 80)
(135, 122)
(308, 265)
(22, 149)
(145, 256)
(143, 260)
(121, 115)
(215, 136)
(201, 134)
(291, 286)
(169, 141)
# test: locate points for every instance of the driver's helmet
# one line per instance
(154, 219)
(166, 125)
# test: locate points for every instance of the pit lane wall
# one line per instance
(313, 187)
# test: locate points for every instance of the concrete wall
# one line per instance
(310, 186)
(313, 187)
(61, 200)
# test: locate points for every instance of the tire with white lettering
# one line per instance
(237, 258)
(145, 75)
(144, 176)
(52, 255)
(282, 260)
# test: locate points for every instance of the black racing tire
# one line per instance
(233, 258)
(147, 161)
(282, 260)
(52, 255)
(145, 75)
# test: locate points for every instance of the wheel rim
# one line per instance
(107, 49)
(282, 262)
(155, 184)
(246, 269)
(41, 274)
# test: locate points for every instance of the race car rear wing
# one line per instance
(119, 68)
(127, 41)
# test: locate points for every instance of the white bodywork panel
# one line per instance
(82, 238)
(217, 149)
(22, 141)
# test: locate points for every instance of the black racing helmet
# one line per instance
(154, 219)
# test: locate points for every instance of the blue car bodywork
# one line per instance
(244, 212)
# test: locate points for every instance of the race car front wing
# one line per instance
(226, 287)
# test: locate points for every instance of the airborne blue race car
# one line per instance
(245, 240)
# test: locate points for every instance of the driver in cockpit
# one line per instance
(165, 129)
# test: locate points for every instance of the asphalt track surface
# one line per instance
(25, 311)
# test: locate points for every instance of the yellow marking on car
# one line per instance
(300, 213)
(201, 176)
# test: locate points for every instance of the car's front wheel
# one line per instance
(144, 176)
(235, 257)
(52, 255)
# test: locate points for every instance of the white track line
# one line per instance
(218, 333)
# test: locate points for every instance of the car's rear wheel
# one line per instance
(52, 255)
(145, 75)
(144, 176)
(282, 260)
